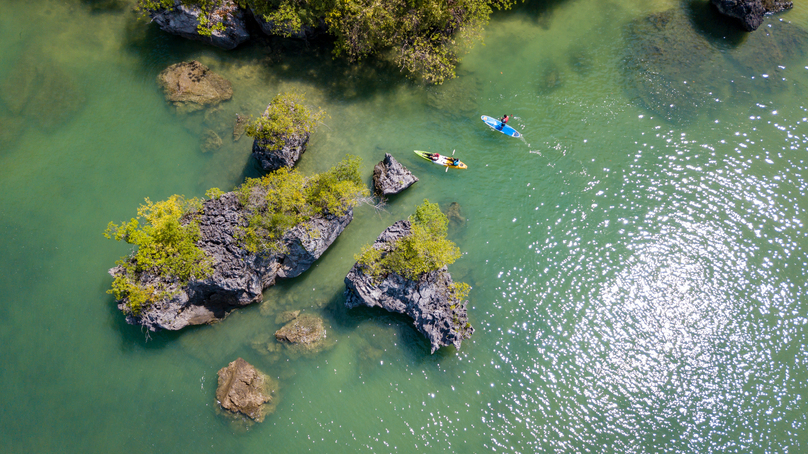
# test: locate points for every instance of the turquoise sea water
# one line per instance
(638, 284)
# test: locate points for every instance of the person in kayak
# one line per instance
(503, 121)
(434, 156)
(454, 161)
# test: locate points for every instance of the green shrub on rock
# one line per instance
(425, 249)
(285, 198)
(166, 233)
(166, 246)
(286, 116)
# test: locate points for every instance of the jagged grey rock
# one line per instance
(751, 12)
(286, 156)
(244, 389)
(429, 300)
(183, 20)
(272, 157)
(391, 177)
(239, 276)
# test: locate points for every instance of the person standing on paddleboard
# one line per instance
(503, 121)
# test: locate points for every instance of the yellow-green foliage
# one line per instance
(286, 116)
(425, 249)
(285, 198)
(166, 246)
(422, 34)
(214, 193)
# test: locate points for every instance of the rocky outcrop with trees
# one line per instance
(282, 132)
(243, 389)
(751, 12)
(404, 271)
(220, 23)
(198, 260)
(391, 177)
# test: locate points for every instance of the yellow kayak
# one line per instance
(446, 161)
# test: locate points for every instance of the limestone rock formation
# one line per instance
(183, 20)
(751, 12)
(210, 141)
(287, 156)
(430, 301)
(306, 331)
(239, 127)
(239, 277)
(192, 86)
(244, 389)
(391, 177)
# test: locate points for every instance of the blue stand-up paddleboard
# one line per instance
(497, 125)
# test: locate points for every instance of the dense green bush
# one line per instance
(166, 246)
(425, 249)
(285, 198)
(286, 116)
(421, 36)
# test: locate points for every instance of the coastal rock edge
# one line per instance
(428, 300)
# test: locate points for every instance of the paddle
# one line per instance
(447, 168)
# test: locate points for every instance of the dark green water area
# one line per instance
(638, 262)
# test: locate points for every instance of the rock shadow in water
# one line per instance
(40, 92)
(105, 6)
(679, 71)
(673, 69)
(551, 77)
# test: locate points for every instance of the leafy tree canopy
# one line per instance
(285, 198)
(165, 234)
(286, 116)
(425, 249)
(421, 36)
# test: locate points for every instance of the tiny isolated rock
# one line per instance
(245, 390)
(391, 177)
(305, 334)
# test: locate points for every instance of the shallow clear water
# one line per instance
(637, 284)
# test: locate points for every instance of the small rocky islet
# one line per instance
(429, 299)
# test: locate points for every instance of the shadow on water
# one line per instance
(275, 60)
(541, 10)
(135, 338)
(720, 30)
(106, 6)
(375, 325)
